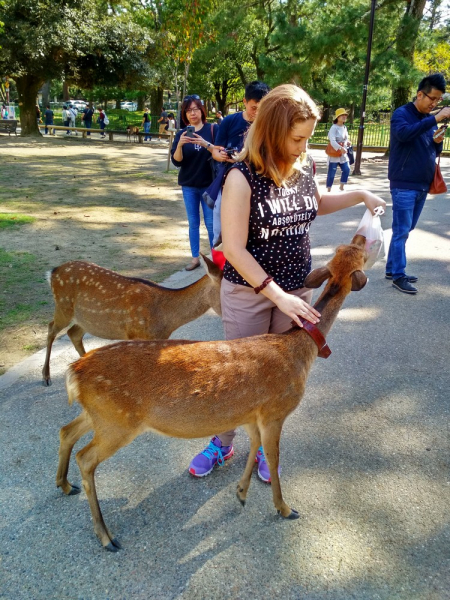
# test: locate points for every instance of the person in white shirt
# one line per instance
(72, 117)
(338, 136)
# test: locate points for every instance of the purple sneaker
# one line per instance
(202, 464)
(263, 467)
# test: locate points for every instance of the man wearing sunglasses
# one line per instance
(412, 162)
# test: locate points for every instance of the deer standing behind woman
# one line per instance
(191, 389)
(114, 307)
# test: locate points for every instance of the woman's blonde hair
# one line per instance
(265, 144)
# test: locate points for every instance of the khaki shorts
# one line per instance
(245, 313)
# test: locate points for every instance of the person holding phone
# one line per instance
(416, 141)
(230, 140)
(191, 152)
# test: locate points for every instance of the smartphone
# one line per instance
(439, 131)
(190, 130)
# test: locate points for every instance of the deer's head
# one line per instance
(344, 272)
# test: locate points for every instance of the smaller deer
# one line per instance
(115, 307)
(132, 131)
(193, 389)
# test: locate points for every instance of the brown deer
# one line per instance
(115, 307)
(194, 389)
(132, 131)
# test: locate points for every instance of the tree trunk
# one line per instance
(351, 113)
(407, 34)
(260, 73)
(241, 73)
(221, 95)
(118, 103)
(186, 75)
(435, 14)
(156, 101)
(27, 88)
(66, 92)
(141, 103)
(325, 112)
(45, 94)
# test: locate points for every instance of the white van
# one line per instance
(130, 106)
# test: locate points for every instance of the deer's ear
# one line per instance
(317, 277)
(359, 280)
(211, 268)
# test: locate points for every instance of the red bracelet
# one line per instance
(264, 284)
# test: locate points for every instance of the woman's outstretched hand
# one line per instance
(372, 201)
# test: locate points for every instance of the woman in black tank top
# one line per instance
(270, 198)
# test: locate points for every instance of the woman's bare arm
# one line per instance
(330, 202)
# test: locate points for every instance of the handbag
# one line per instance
(438, 184)
(351, 155)
(211, 193)
(330, 151)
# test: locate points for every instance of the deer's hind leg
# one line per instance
(69, 436)
(255, 443)
(76, 333)
(270, 435)
(103, 446)
(61, 320)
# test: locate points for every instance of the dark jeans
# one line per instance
(332, 168)
(406, 208)
(88, 125)
(46, 124)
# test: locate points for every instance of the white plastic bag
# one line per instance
(370, 228)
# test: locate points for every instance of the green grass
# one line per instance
(12, 220)
(31, 347)
(21, 277)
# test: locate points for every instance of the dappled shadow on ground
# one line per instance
(114, 205)
(78, 191)
(365, 460)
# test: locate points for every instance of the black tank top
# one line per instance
(279, 222)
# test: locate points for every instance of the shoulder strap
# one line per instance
(212, 132)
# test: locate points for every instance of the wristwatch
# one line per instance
(208, 145)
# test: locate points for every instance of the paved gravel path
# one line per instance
(365, 459)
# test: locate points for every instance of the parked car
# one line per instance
(128, 106)
(78, 104)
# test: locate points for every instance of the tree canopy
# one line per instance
(215, 48)
(78, 40)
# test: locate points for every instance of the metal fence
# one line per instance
(375, 135)
(117, 122)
